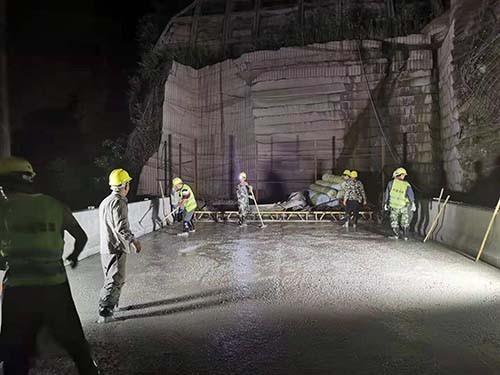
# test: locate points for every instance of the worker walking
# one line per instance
(354, 197)
(186, 204)
(117, 240)
(36, 293)
(243, 191)
(399, 199)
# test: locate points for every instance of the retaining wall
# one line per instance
(89, 220)
(462, 227)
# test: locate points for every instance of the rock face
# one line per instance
(287, 115)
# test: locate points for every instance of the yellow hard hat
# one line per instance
(14, 164)
(243, 175)
(399, 172)
(176, 181)
(354, 174)
(119, 177)
(347, 172)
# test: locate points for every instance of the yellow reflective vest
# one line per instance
(31, 232)
(397, 195)
(190, 204)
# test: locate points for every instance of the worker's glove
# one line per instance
(73, 260)
(386, 207)
(413, 207)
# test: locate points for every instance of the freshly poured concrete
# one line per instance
(292, 299)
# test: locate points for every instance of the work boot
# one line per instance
(395, 236)
(346, 224)
(105, 319)
(405, 234)
(191, 227)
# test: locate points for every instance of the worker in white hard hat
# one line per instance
(354, 198)
(35, 293)
(186, 204)
(243, 192)
(399, 199)
(117, 240)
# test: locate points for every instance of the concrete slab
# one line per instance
(292, 299)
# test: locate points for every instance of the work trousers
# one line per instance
(113, 267)
(400, 216)
(352, 211)
(25, 311)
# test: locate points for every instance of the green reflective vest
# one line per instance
(397, 195)
(190, 205)
(31, 228)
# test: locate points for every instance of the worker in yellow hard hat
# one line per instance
(117, 240)
(399, 199)
(36, 292)
(243, 193)
(354, 198)
(185, 204)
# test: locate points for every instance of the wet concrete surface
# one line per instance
(292, 299)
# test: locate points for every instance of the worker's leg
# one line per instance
(349, 209)
(20, 326)
(394, 217)
(188, 221)
(64, 323)
(355, 212)
(114, 277)
(405, 221)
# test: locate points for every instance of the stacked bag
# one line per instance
(327, 191)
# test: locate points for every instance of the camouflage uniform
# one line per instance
(400, 216)
(243, 195)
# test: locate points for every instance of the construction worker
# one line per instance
(36, 293)
(354, 197)
(399, 199)
(186, 204)
(243, 191)
(117, 240)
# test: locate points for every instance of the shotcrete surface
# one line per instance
(291, 299)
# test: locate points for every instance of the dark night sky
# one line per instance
(69, 64)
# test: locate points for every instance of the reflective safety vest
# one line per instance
(190, 204)
(31, 232)
(397, 195)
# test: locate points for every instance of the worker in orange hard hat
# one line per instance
(117, 240)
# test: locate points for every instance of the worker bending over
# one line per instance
(243, 192)
(186, 204)
(36, 293)
(117, 240)
(399, 199)
(354, 197)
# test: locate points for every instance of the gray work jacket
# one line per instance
(116, 235)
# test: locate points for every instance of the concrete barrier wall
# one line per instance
(462, 227)
(89, 220)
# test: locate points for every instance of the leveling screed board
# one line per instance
(273, 216)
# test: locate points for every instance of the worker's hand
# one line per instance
(250, 188)
(413, 207)
(386, 207)
(345, 202)
(73, 260)
(138, 246)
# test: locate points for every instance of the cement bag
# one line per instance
(324, 190)
(328, 185)
(296, 201)
(332, 179)
(319, 199)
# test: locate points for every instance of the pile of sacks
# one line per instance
(328, 191)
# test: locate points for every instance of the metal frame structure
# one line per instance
(281, 216)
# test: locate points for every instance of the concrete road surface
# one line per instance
(291, 299)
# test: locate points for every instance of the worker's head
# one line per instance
(119, 181)
(16, 173)
(242, 177)
(354, 175)
(400, 174)
(347, 174)
(177, 183)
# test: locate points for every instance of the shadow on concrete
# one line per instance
(194, 302)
